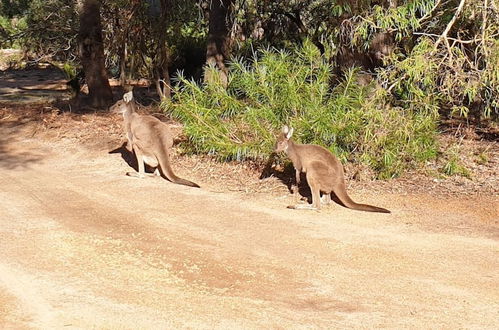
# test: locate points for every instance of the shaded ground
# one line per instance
(84, 246)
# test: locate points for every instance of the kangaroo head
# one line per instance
(283, 140)
(122, 105)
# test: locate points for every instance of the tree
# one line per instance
(91, 51)
(218, 41)
(158, 18)
(452, 44)
(149, 39)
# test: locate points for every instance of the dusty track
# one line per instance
(84, 246)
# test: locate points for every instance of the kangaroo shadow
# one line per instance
(288, 177)
(129, 158)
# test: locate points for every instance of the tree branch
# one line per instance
(449, 38)
(484, 28)
(428, 14)
(295, 18)
(451, 23)
(493, 5)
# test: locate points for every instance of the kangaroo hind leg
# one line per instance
(296, 189)
(140, 162)
(326, 198)
(316, 196)
(316, 203)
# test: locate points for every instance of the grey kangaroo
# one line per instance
(323, 170)
(149, 138)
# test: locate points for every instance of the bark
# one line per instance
(123, 57)
(91, 51)
(162, 74)
(218, 42)
(153, 48)
(162, 56)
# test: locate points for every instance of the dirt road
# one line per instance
(83, 246)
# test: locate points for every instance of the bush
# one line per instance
(295, 88)
(49, 29)
(9, 29)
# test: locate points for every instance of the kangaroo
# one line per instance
(323, 170)
(149, 138)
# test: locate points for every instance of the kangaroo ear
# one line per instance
(127, 97)
(290, 133)
(285, 129)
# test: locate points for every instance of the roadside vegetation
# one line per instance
(295, 88)
(371, 80)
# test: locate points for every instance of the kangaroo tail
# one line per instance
(164, 162)
(341, 193)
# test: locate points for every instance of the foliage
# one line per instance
(51, 30)
(279, 87)
(12, 22)
(13, 8)
(144, 33)
(70, 71)
(453, 164)
(460, 36)
(423, 56)
(452, 44)
(282, 24)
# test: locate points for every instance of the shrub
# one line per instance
(296, 88)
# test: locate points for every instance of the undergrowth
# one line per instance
(298, 88)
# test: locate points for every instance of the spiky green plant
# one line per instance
(296, 88)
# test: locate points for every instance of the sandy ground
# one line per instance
(82, 246)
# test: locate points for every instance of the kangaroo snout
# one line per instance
(118, 107)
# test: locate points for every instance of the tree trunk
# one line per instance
(162, 74)
(218, 42)
(162, 56)
(158, 18)
(91, 50)
(123, 57)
